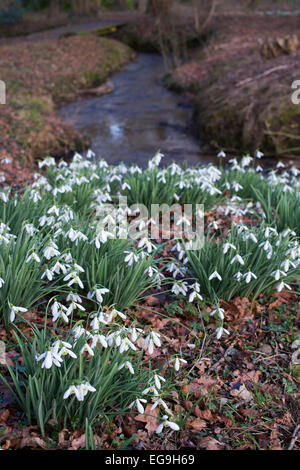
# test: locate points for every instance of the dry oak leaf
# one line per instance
(150, 418)
(240, 391)
(203, 414)
(4, 416)
(209, 443)
(195, 424)
(78, 443)
(33, 441)
(201, 386)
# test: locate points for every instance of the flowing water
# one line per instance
(138, 118)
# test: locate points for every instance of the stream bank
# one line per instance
(240, 79)
(42, 75)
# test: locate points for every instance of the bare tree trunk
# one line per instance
(197, 13)
(142, 6)
(54, 8)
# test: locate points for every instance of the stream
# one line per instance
(138, 118)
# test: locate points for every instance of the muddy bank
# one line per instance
(241, 90)
(39, 77)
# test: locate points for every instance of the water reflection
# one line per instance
(139, 117)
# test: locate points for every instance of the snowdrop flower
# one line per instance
(248, 276)
(47, 274)
(114, 314)
(86, 387)
(213, 275)
(73, 278)
(30, 229)
(35, 196)
(73, 297)
(1, 282)
(72, 390)
(150, 271)
(87, 348)
(50, 357)
(155, 160)
(287, 232)
(73, 307)
(59, 267)
(226, 247)
(277, 274)
(99, 339)
(125, 345)
(131, 257)
(236, 186)
(221, 154)
(150, 389)
(166, 423)
(144, 242)
(157, 380)
(160, 401)
(238, 258)
(286, 265)
(282, 285)
(268, 231)
(194, 294)
(49, 161)
(4, 239)
(78, 331)
(246, 160)
(80, 390)
(53, 209)
(51, 251)
(97, 320)
(214, 224)
(33, 256)
(219, 311)
(177, 361)
(59, 310)
(220, 330)
(138, 403)
(259, 154)
(62, 348)
(152, 339)
(180, 287)
(99, 294)
(14, 310)
(238, 276)
(134, 333)
(266, 245)
(125, 186)
(251, 236)
(128, 366)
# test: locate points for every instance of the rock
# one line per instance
(266, 349)
(99, 91)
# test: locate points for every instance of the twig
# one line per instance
(265, 74)
(216, 364)
(295, 437)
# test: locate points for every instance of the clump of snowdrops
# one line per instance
(55, 259)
